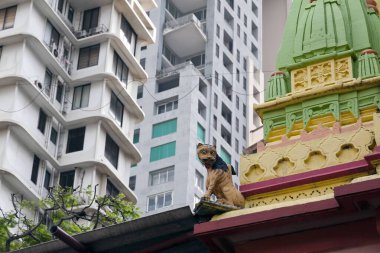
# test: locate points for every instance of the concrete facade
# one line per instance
(50, 123)
(207, 51)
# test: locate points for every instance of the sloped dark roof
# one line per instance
(170, 231)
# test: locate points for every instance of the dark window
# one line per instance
(88, 56)
(81, 96)
(111, 189)
(70, 14)
(35, 168)
(140, 92)
(53, 136)
(7, 17)
(132, 183)
(136, 136)
(47, 179)
(60, 5)
(48, 80)
(67, 179)
(42, 121)
(167, 85)
(90, 19)
(120, 68)
(128, 31)
(142, 62)
(58, 95)
(111, 151)
(75, 139)
(116, 109)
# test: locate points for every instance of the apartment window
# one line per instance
(237, 124)
(140, 92)
(42, 121)
(244, 132)
(167, 85)
(111, 189)
(161, 176)
(7, 17)
(81, 96)
(244, 110)
(245, 20)
(142, 62)
(132, 183)
(35, 168)
(238, 30)
(217, 50)
(162, 151)
(226, 135)
(245, 64)
(218, 5)
(245, 38)
(236, 146)
(70, 14)
(111, 151)
(237, 102)
(202, 88)
(51, 38)
(215, 122)
(254, 8)
(215, 100)
(66, 179)
(201, 133)
(237, 170)
(214, 141)
(162, 107)
(254, 30)
(59, 93)
(244, 83)
(75, 139)
(216, 78)
(47, 179)
(120, 69)
(53, 136)
(88, 56)
(116, 109)
(136, 136)
(218, 31)
(238, 11)
(237, 75)
(90, 19)
(199, 180)
(201, 109)
(128, 32)
(60, 5)
(225, 155)
(164, 128)
(159, 201)
(48, 81)
(254, 50)
(226, 113)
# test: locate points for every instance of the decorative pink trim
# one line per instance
(278, 73)
(305, 178)
(369, 51)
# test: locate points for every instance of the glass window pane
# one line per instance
(85, 96)
(168, 199)
(171, 175)
(155, 179)
(151, 203)
(160, 201)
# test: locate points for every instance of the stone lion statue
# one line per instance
(219, 177)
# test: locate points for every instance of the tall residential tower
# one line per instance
(206, 52)
(69, 72)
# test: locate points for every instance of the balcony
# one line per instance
(61, 56)
(80, 34)
(185, 36)
(189, 6)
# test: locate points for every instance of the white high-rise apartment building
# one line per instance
(69, 75)
(206, 53)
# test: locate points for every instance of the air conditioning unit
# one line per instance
(38, 84)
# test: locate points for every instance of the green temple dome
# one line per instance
(277, 86)
(319, 30)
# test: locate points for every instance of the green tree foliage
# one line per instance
(73, 210)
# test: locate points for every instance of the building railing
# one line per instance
(58, 54)
(90, 32)
(185, 20)
(169, 70)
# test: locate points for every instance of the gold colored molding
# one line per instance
(312, 153)
(321, 74)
